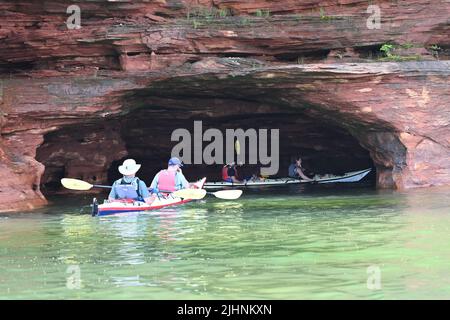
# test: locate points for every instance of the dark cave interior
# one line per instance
(93, 151)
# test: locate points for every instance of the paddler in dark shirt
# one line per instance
(296, 170)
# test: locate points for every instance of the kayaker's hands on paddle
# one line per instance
(150, 199)
(299, 170)
(190, 185)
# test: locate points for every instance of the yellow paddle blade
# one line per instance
(194, 194)
(75, 184)
(237, 147)
(228, 194)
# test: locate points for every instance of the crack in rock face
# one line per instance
(77, 102)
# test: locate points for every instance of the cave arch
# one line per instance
(92, 151)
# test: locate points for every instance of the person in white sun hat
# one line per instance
(130, 187)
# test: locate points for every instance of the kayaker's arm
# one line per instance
(145, 193)
(154, 184)
(302, 175)
(143, 190)
(181, 181)
(112, 193)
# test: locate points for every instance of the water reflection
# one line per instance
(76, 226)
(308, 245)
(127, 281)
(224, 207)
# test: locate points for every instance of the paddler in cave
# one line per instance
(130, 187)
(296, 169)
(170, 179)
(230, 173)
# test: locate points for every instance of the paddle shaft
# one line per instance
(75, 184)
(101, 186)
(109, 187)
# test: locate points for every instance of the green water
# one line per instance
(313, 243)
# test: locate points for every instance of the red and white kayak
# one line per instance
(118, 207)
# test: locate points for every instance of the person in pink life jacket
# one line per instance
(170, 179)
(130, 187)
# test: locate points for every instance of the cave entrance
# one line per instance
(93, 151)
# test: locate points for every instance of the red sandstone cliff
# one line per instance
(317, 58)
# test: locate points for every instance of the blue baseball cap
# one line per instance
(175, 161)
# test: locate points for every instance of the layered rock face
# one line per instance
(74, 102)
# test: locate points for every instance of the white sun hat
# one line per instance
(129, 167)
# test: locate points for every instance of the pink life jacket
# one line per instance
(166, 181)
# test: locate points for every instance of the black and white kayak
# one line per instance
(353, 176)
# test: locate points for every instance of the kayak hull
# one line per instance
(118, 207)
(136, 206)
(353, 176)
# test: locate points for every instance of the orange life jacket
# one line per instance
(225, 173)
(166, 181)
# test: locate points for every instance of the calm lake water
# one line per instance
(313, 243)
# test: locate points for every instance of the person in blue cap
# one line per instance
(170, 179)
